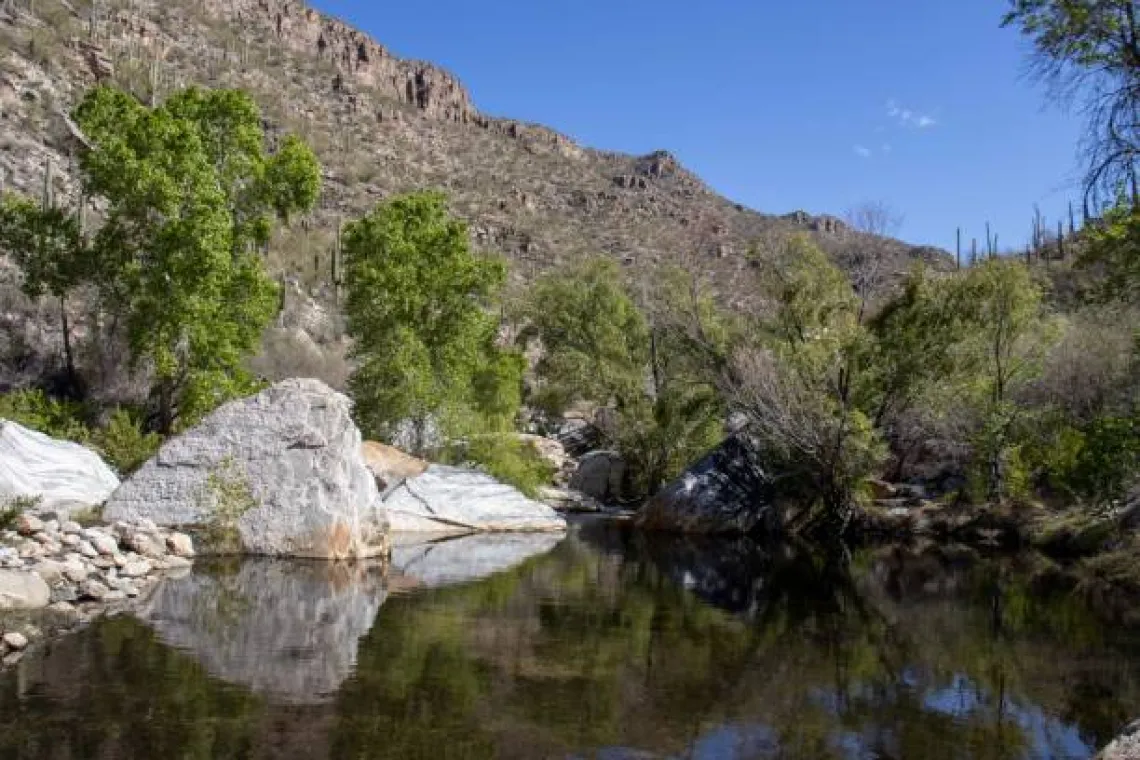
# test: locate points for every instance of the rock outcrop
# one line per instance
(454, 500)
(280, 473)
(389, 465)
(727, 491)
(61, 475)
(287, 630)
(600, 475)
(1126, 746)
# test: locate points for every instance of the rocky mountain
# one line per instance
(380, 124)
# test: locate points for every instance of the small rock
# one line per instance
(102, 562)
(180, 544)
(29, 525)
(13, 658)
(62, 607)
(114, 596)
(148, 525)
(22, 591)
(94, 590)
(16, 640)
(120, 560)
(50, 571)
(175, 563)
(63, 593)
(71, 540)
(136, 569)
(30, 549)
(51, 526)
(70, 526)
(87, 550)
(103, 543)
(146, 545)
(75, 573)
(44, 538)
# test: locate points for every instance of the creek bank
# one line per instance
(58, 575)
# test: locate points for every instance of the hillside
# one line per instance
(380, 125)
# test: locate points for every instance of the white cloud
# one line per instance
(862, 151)
(907, 117)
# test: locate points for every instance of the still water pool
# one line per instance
(602, 644)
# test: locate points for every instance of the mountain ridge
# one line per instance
(381, 124)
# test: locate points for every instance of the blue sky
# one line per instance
(812, 104)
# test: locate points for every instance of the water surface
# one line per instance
(602, 645)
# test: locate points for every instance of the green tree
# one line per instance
(1010, 334)
(805, 383)
(1089, 51)
(47, 245)
(650, 367)
(1112, 244)
(419, 311)
(191, 193)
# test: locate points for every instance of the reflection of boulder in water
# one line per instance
(726, 573)
(288, 630)
(431, 562)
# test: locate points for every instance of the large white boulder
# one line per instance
(280, 473)
(454, 500)
(64, 476)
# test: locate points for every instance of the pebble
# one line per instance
(64, 593)
(71, 540)
(114, 596)
(87, 550)
(16, 640)
(30, 549)
(136, 569)
(180, 544)
(29, 524)
(103, 543)
(145, 545)
(13, 658)
(62, 607)
(75, 573)
(43, 537)
(93, 589)
(71, 527)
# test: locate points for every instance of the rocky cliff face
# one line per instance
(381, 125)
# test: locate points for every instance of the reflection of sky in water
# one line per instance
(1047, 737)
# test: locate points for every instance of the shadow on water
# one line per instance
(606, 643)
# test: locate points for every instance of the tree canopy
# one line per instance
(1088, 52)
(419, 306)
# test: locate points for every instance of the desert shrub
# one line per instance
(124, 443)
(36, 410)
(512, 461)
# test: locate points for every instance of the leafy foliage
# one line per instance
(191, 193)
(419, 309)
(511, 460)
(653, 367)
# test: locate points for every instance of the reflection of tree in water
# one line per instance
(615, 640)
(624, 641)
(115, 691)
